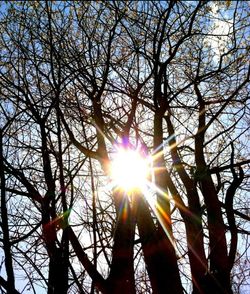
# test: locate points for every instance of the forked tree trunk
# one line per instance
(159, 254)
(219, 269)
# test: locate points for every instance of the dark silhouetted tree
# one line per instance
(168, 78)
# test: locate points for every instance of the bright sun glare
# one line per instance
(129, 169)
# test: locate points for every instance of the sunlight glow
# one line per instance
(129, 169)
(132, 171)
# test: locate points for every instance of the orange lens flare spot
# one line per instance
(129, 169)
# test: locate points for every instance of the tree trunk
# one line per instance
(159, 254)
(121, 278)
(219, 271)
(10, 286)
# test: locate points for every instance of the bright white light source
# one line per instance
(129, 170)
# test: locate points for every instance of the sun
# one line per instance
(129, 169)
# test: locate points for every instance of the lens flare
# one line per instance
(129, 169)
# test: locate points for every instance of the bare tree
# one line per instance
(78, 81)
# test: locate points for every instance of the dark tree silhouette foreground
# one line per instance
(79, 77)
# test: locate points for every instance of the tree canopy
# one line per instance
(124, 147)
